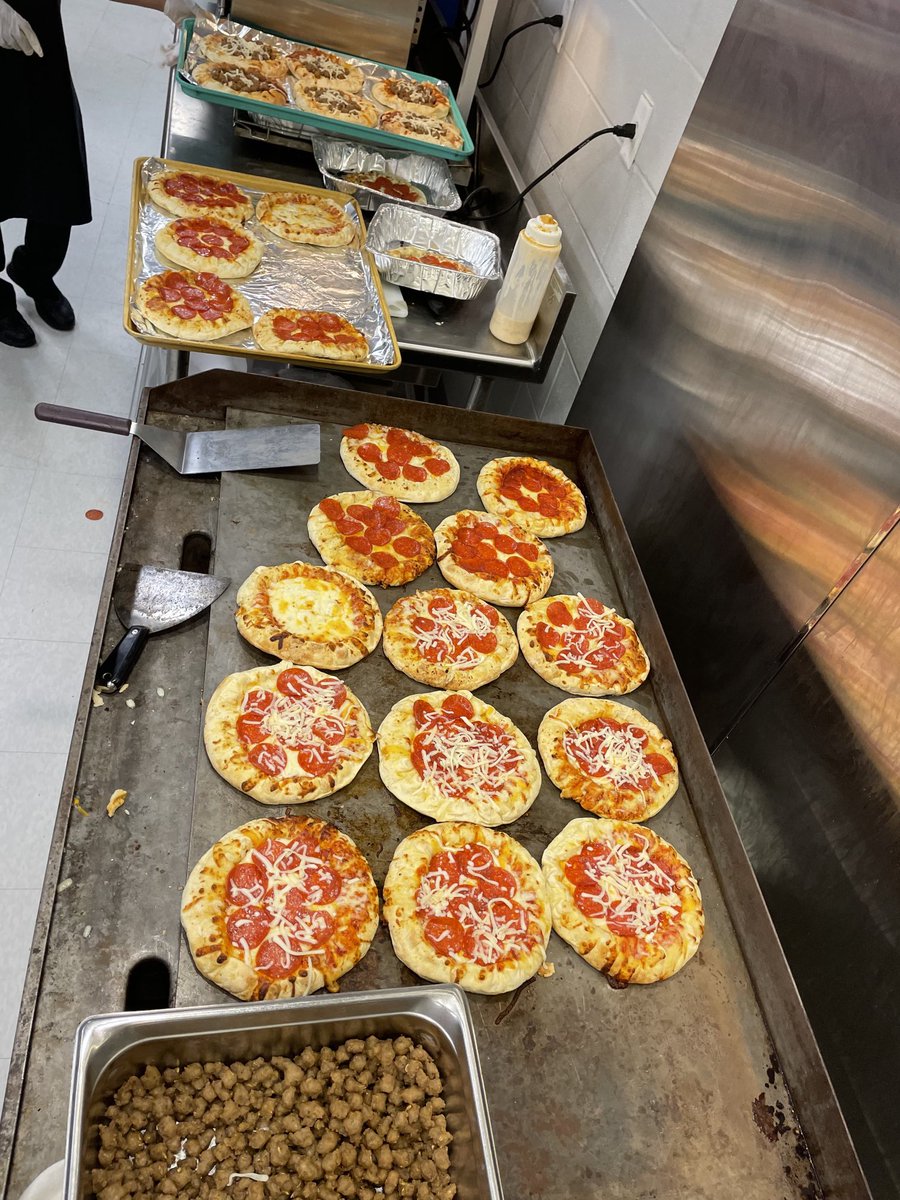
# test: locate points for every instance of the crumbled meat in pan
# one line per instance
(362, 1119)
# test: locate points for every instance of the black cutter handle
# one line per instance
(118, 665)
(82, 418)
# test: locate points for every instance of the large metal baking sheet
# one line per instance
(672, 1090)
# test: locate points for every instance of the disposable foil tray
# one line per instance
(335, 158)
(396, 225)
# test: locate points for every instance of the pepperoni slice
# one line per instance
(294, 681)
(379, 535)
(489, 564)
(414, 474)
(269, 758)
(458, 706)
(486, 530)
(493, 617)
(330, 730)
(384, 560)
(441, 604)
(181, 310)
(248, 926)
(347, 526)
(423, 712)
(527, 504)
(660, 764)
(357, 431)
(273, 961)
(446, 936)
(518, 566)
(504, 544)
(467, 537)
(360, 544)
(548, 506)
(486, 644)
(407, 547)
(436, 466)
(258, 701)
(323, 885)
(246, 884)
(558, 614)
(388, 470)
(331, 508)
(315, 760)
(369, 452)
(250, 729)
(387, 504)
(393, 524)
(362, 512)
(423, 625)
(547, 636)
(401, 453)
(509, 491)
(527, 551)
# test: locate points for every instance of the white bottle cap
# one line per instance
(544, 230)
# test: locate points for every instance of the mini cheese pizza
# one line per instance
(286, 734)
(279, 908)
(422, 128)
(188, 195)
(534, 494)
(309, 331)
(411, 96)
(388, 185)
(578, 644)
(453, 757)
(398, 462)
(322, 68)
(376, 539)
(309, 615)
(449, 639)
(609, 758)
(431, 258)
(325, 100)
(624, 899)
(493, 558)
(236, 51)
(252, 82)
(467, 905)
(305, 217)
(197, 307)
(210, 244)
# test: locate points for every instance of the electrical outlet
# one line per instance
(559, 34)
(628, 147)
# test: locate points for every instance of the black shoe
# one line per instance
(52, 306)
(15, 331)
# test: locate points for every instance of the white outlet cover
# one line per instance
(628, 147)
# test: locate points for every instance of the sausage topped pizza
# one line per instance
(328, 101)
(411, 96)
(534, 494)
(398, 462)
(318, 67)
(252, 81)
(376, 539)
(493, 558)
(423, 128)
(236, 51)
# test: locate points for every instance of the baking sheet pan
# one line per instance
(334, 279)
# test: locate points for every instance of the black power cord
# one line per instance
(556, 22)
(623, 131)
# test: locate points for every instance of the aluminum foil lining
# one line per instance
(334, 158)
(372, 71)
(396, 225)
(335, 279)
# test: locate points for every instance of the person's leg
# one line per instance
(33, 266)
(14, 329)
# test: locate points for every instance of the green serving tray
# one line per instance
(344, 129)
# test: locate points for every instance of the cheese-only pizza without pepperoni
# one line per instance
(279, 907)
(624, 899)
(399, 462)
(376, 539)
(310, 332)
(285, 734)
(186, 194)
(305, 217)
(466, 904)
(493, 558)
(609, 758)
(449, 639)
(196, 306)
(310, 65)
(537, 496)
(453, 757)
(309, 615)
(580, 645)
(249, 81)
(210, 244)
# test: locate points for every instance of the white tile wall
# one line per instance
(546, 102)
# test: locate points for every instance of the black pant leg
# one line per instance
(43, 253)
(7, 291)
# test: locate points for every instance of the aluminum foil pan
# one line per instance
(335, 279)
(396, 225)
(432, 175)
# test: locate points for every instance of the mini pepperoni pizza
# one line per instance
(195, 306)
(467, 905)
(449, 639)
(388, 185)
(431, 258)
(534, 494)
(493, 558)
(186, 194)
(578, 644)
(279, 908)
(312, 332)
(608, 757)
(376, 539)
(210, 244)
(624, 899)
(286, 734)
(451, 756)
(398, 462)
(309, 615)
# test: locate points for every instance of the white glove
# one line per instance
(16, 33)
(179, 10)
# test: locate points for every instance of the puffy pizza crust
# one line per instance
(336, 103)
(336, 553)
(627, 674)
(601, 796)
(624, 959)
(400, 645)
(249, 82)
(429, 491)
(226, 268)
(267, 339)
(395, 743)
(349, 78)
(195, 329)
(514, 592)
(179, 207)
(423, 129)
(227, 754)
(432, 101)
(306, 218)
(238, 52)
(490, 479)
(401, 885)
(203, 905)
(310, 615)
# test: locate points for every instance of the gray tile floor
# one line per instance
(51, 556)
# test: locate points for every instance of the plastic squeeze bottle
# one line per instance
(536, 251)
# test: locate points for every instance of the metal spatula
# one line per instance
(205, 452)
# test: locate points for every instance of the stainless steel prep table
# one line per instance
(672, 1091)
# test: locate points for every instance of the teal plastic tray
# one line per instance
(344, 129)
